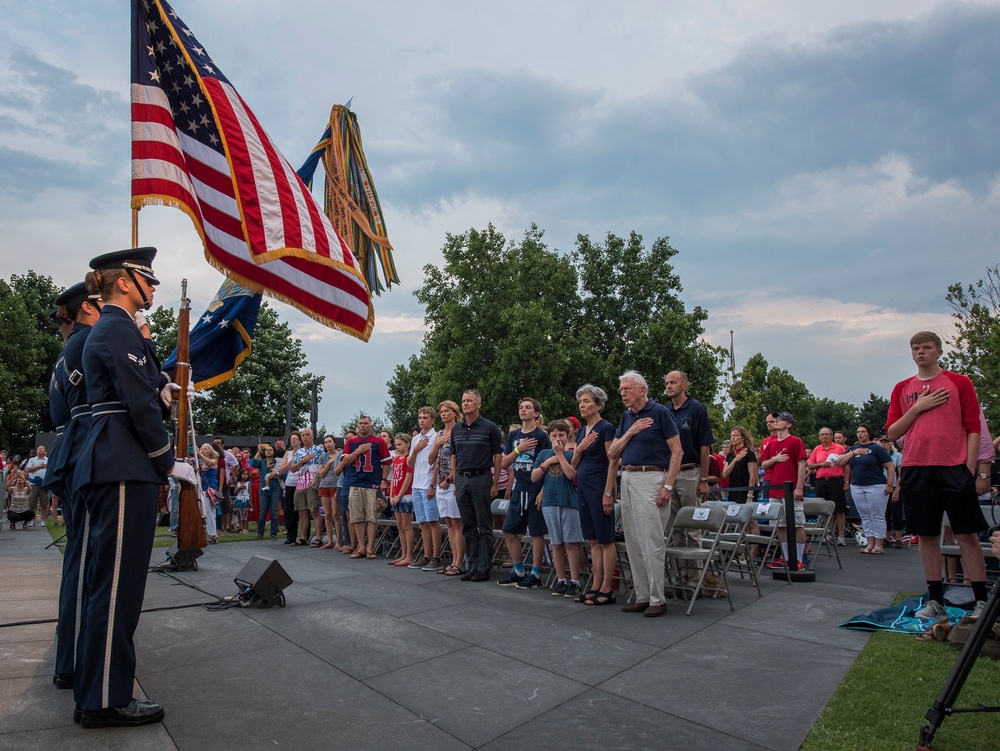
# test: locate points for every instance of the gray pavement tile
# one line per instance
(303, 703)
(360, 642)
(476, 695)
(762, 688)
(803, 616)
(33, 703)
(570, 650)
(656, 632)
(28, 658)
(389, 595)
(176, 638)
(17, 634)
(147, 738)
(597, 719)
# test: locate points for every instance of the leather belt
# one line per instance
(692, 465)
(473, 472)
(642, 468)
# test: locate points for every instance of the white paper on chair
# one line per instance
(503, 504)
(764, 508)
(732, 510)
(700, 514)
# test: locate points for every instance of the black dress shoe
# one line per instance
(77, 714)
(480, 576)
(469, 576)
(63, 680)
(134, 713)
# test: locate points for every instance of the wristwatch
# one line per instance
(983, 476)
(669, 487)
(609, 495)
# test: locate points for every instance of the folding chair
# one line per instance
(733, 539)
(711, 522)
(766, 514)
(818, 533)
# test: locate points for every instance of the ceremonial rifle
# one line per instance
(190, 528)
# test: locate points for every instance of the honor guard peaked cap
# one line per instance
(137, 260)
(75, 295)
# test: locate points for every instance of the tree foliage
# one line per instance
(759, 389)
(976, 353)
(28, 353)
(253, 401)
(874, 412)
(378, 424)
(515, 319)
(835, 415)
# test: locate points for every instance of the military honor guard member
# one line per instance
(123, 460)
(80, 309)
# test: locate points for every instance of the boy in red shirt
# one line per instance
(938, 412)
(785, 457)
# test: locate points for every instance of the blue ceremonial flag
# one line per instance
(222, 338)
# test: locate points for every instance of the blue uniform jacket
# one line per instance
(62, 459)
(59, 412)
(127, 441)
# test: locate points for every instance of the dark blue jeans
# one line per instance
(269, 501)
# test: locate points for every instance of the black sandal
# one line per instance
(588, 595)
(608, 597)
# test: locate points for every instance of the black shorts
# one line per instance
(928, 492)
(832, 489)
(519, 520)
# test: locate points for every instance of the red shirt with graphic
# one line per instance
(937, 438)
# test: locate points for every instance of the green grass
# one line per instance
(882, 700)
(164, 540)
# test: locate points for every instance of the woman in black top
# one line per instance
(741, 464)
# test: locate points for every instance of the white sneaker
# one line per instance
(978, 610)
(932, 609)
(841, 542)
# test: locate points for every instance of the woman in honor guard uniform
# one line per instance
(124, 459)
(81, 309)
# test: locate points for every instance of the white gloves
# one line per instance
(185, 473)
(166, 395)
(140, 319)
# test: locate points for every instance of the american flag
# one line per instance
(198, 147)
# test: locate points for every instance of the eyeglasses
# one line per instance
(626, 389)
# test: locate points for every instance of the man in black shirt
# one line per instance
(476, 449)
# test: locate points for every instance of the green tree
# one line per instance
(834, 415)
(502, 319)
(759, 389)
(253, 401)
(378, 424)
(28, 353)
(976, 353)
(631, 317)
(519, 319)
(874, 412)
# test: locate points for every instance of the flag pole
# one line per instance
(135, 228)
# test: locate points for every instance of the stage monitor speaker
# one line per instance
(185, 559)
(265, 579)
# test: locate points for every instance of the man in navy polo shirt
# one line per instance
(695, 433)
(650, 451)
(476, 448)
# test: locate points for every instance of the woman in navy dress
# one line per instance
(596, 483)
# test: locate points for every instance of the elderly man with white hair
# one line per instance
(649, 447)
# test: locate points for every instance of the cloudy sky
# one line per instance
(824, 169)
